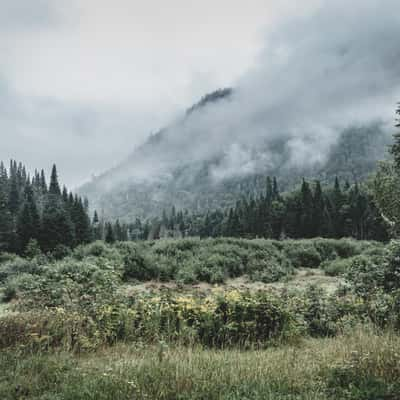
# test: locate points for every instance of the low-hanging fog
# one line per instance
(83, 83)
(317, 75)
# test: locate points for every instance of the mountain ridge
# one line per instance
(130, 190)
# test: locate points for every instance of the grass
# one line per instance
(4, 308)
(300, 280)
(362, 366)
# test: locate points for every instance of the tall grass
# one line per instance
(362, 366)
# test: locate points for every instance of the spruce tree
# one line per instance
(14, 197)
(6, 224)
(336, 206)
(28, 224)
(318, 212)
(395, 149)
(306, 218)
(97, 234)
(54, 188)
(110, 237)
(57, 225)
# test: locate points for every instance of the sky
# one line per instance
(84, 82)
(316, 74)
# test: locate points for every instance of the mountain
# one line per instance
(165, 171)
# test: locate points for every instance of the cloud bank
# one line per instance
(317, 75)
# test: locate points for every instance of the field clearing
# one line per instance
(301, 279)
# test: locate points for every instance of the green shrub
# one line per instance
(32, 249)
(17, 266)
(137, 266)
(9, 292)
(69, 283)
(268, 271)
(337, 267)
(391, 267)
(187, 276)
(365, 276)
(60, 251)
(303, 254)
(5, 257)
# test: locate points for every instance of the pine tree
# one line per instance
(81, 222)
(57, 227)
(14, 197)
(54, 187)
(43, 184)
(275, 189)
(28, 223)
(395, 149)
(6, 224)
(110, 238)
(97, 234)
(318, 212)
(336, 206)
(306, 218)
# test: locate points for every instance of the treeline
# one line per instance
(341, 210)
(34, 214)
(32, 210)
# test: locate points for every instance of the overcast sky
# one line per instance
(82, 82)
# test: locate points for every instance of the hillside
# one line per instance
(158, 175)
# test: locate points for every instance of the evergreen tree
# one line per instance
(6, 224)
(28, 224)
(43, 184)
(275, 189)
(306, 217)
(81, 222)
(318, 212)
(57, 227)
(14, 197)
(110, 238)
(54, 187)
(97, 231)
(395, 149)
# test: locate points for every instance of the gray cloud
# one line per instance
(85, 81)
(16, 15)
(318, 75)
(88, 81)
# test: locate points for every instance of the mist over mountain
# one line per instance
(315, 105)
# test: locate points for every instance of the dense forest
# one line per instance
(34, 214)
(310, 211)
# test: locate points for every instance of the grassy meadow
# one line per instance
(202, 319)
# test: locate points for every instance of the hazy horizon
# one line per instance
(83, 83)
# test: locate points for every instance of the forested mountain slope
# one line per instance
(183, 165)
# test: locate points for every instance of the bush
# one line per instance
(337, 267)
(391, 266)
(32, 249)
(269, 271)
(187, 276)
(70, 284)
(136, 266)
(18, 265)
(5, 257)
(303, 254)
(9, 292)
(60, 251)
(365, 276)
